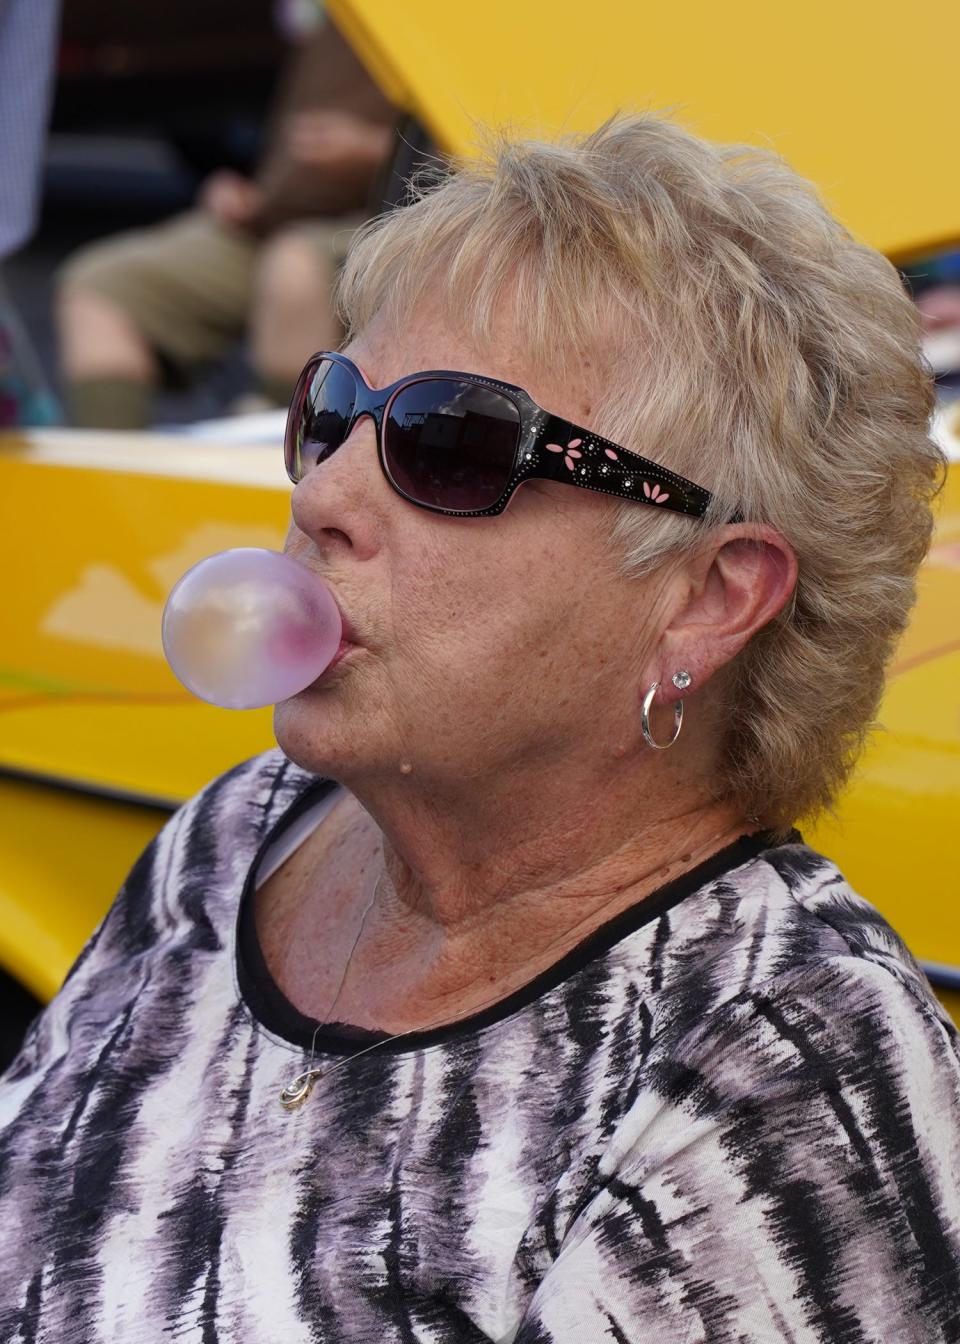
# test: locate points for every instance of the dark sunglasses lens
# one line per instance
(451, 444)
(319, 417)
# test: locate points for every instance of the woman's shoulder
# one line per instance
(240, 807)
(174, 915)
(185, 885)
(208, 846)
(785, 924)
(258, 790)
(781, 983)
(820, 916)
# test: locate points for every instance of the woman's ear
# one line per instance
(725, 593)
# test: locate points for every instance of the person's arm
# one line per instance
(794, 1175)
(231, 198)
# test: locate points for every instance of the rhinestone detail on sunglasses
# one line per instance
(587, 460)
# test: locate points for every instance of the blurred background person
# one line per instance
(255, 254)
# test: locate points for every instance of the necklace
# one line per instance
(298, 1090)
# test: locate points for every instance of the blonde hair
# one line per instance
(747, 341)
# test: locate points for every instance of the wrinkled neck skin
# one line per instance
(535, 838)
(486, 885)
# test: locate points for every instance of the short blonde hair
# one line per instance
(742, 337)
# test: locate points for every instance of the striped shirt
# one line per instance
(732, 1114)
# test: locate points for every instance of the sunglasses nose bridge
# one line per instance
(334, 497)
(358, 414)
(367, 401)
(367, 411)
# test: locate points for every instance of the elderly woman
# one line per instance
(503, 1002)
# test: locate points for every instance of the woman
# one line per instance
(504, 1001)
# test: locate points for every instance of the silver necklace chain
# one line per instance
(298, 1090)
(328, 1015)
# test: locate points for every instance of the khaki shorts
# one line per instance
(187, 284)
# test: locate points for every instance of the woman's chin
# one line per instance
(308, 734)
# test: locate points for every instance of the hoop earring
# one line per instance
(645, 719)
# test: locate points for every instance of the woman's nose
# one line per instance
(341, 498)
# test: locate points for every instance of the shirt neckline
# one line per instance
(273, 1010)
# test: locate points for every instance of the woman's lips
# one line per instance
(343, 648)
(347, 633)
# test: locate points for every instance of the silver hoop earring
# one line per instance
(645, 719)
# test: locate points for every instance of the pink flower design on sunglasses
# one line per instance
(656, 495)
(570, 452)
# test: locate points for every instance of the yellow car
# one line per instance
(98, 741)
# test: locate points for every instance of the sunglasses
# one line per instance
(461, 444)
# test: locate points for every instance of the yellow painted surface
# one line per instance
(65, 856)
(94, 531)
(97, 542)
(895, 828)
(893, 833)
(857, 96)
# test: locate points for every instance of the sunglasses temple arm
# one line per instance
(561, 451)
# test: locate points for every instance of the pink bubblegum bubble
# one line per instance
(249, 627)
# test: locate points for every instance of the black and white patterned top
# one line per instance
(731, 1115)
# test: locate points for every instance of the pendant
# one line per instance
(298, 1089)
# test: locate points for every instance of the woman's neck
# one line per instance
(454, 927)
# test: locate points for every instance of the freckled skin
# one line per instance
(489, 732)
(482, 633)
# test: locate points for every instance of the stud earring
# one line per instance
(681, 679)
